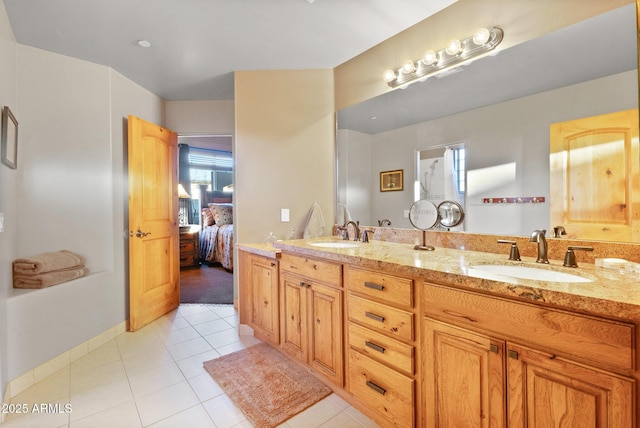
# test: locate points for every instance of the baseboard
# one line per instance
(30, 378)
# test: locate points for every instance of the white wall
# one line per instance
(70, 195)
(513, 135)
(201, 117)
(8, 189)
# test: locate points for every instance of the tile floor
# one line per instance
(154, 378)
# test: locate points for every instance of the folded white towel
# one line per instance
(315, 222)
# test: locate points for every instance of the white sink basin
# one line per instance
(524, 272)
(334, 244)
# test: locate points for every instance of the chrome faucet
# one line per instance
(538, 236)
(356, 229)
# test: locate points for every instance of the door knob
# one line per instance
(141, 234)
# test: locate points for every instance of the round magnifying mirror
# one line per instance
(450, 213)
(423, 215)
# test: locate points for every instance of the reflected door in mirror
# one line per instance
(595, 182)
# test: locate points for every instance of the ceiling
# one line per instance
(198, 44)
(598, 47)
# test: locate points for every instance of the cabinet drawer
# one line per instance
(388, 392)
(396, 322)
(187, 246)
(396, 354)
(603, 343)
(388, 288)
(330, 273)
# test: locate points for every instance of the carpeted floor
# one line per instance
(269, 387)
(207, 284)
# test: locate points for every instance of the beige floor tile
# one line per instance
(205, 387)
(193, 366)
(100, 398)
(124, 415)
(222, 338)
(194, 417)
(315, 415)
(105, 354)
(224, 412)
(213, 326)
(187, 349)
(360, 417)
(155, 379)
(244, 342)
(165, 402)
(51, 389)
(83, 379)
(201, 317)
(174, 337)
(135, 364)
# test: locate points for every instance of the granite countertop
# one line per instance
(609, 292)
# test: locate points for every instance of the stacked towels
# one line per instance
(45, 270)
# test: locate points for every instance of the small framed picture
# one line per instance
(9, 135)
(391, 181)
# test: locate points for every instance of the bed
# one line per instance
(216, 236)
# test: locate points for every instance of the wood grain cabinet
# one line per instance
(494, 362)
(381, 340)
(311, 314)
(259, 277)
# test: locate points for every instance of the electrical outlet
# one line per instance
(284, 215)
(1, 222)
(406, 213)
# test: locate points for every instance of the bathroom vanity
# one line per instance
(415, 338)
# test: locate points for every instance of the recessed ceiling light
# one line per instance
(144, 43)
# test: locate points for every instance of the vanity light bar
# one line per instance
(456, 52)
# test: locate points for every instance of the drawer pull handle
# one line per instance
(374, 286)
(374, 316)
(374, 346)
(380, 390)
(493, 348)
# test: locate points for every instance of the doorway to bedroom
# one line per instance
(205, 193)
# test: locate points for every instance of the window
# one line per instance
(459, 165)
(213, 168)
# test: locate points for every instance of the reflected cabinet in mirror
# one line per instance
(500, 110)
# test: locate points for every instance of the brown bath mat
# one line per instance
(266, 385)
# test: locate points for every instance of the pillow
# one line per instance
(222, 213)
(207, 217)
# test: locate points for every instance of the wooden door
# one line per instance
(294, 316)
(463, 378)
(325, 331)
(153, 228)
(595, 177)
(547, 391)
(265, 317)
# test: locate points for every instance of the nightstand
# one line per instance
(189, 247)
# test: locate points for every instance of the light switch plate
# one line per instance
(1, 222)
(284, 215)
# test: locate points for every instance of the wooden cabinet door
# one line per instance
(294, 316)
(265, 317)
(463, 378)
(546, 391)
(325, 331)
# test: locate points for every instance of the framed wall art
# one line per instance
(9, 135)
(391, 181)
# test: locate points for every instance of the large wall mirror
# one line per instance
(499, 109)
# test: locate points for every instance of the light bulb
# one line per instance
(408, 67)
(389, 76)
(430, 58)
(454, 47)
(481, 36)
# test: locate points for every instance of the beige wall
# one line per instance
(361, 77)
(200, 117)
(284, 151)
